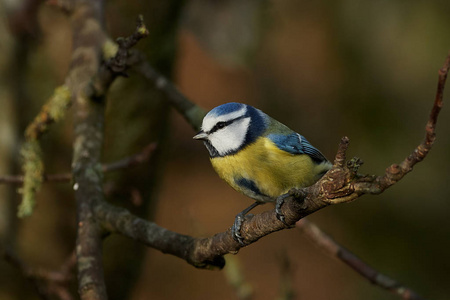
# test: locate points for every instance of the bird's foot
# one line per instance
(236, 229)
(278, 205)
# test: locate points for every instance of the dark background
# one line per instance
(365, 69)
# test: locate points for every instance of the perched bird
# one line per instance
(258, 156)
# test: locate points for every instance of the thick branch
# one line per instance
(90, 78)
(88, 39)
(341, 184)
(200, 252)
(119, 220)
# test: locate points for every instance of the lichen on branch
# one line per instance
(33, 170)
(31, 153)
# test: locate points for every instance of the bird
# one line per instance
(258, 156)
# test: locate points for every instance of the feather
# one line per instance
(296, 144)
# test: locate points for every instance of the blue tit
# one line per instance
(257, 155)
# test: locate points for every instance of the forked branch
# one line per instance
(341, 184)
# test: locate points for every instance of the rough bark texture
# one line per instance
(88, 39)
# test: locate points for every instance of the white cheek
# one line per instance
(231, 137)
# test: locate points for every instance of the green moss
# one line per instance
(33, 169)
(58, 104)
(31, 153)
(109, 49)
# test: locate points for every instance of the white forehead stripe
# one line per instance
(210, 120)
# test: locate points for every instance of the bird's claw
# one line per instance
(278, 205)
(236, 229)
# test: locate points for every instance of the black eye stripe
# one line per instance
(223, 124)
(220, 125)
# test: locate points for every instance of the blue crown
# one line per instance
(226, 108)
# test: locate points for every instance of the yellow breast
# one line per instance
(273, 171)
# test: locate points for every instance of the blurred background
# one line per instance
(364, 69)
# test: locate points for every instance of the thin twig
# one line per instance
(331, 247)
(31, 153)
(13, 260)
(46, 282)
(53, 111)
(337, 186)
(131, 161)
(119, 63)
(189, 110)
(395, 172)
(128, 162)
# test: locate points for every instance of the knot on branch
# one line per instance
(336, 185)
(118, 63)
(216, 262)
(394, 173)
(421, 151)
(207, 253)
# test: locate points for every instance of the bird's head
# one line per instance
(230, 127)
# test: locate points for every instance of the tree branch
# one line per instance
(46, 283)
(118, 220)
(190, 111)
(88, 104)
(95, 63)
(395, 172)
(331, 247)
(13, 260)
(89, 79)
(32, 166)
(120, 61)
(341, 184)
(128, 162)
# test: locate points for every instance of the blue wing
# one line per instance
(294, 143)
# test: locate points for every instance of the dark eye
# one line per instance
(220, 125)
